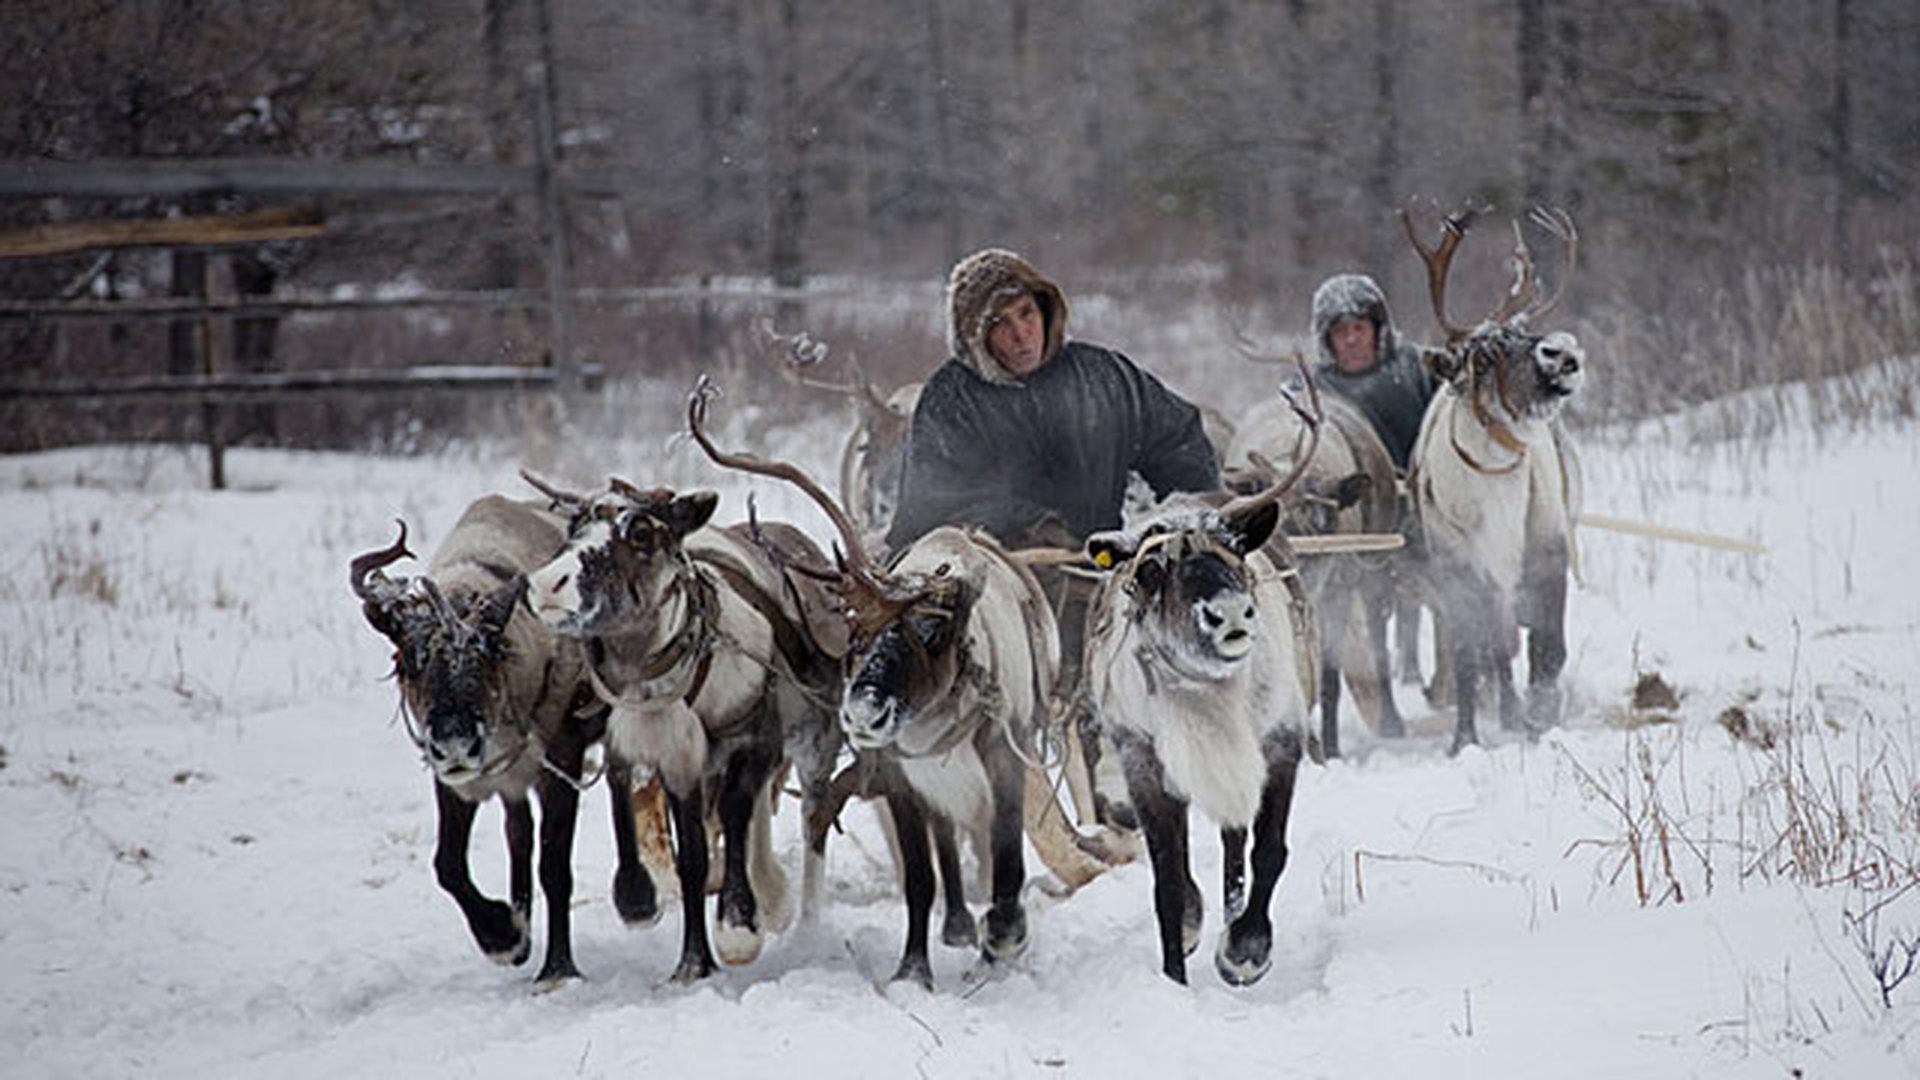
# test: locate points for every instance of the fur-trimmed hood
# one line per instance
(979, 284)
(1352, 294)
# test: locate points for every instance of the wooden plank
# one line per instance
(251, 227)
(1668, 532)
(138, 177)
(239, 386)
(151, 177)
(256, 307)
(259, 307)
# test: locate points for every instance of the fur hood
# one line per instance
(980, 283)
(1352, 294)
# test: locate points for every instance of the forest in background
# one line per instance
(1743, 174)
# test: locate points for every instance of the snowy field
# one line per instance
(216, 856)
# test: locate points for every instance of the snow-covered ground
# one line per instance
(216, 852)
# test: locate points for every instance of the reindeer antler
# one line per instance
(1312, 415)
(801, 352)
(366, 564)
(872, 598)
(1439, 259)
(1560, 224)
(558, 495)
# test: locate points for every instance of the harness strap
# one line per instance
(802, 660)
(1496, 431)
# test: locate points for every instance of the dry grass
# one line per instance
(1810, 800)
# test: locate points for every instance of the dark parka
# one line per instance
(1393, 393)
(1032, 458)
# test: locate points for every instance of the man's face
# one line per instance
(1017, 336)
(1352, 341)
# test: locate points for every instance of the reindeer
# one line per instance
(1495, 481)
(695, 640)
(1199, 662)
(1348, 487)
(499, 706)
(953, 657)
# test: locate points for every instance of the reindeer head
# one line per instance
(1501, 364)
(908, 627)
(624, 563)
(451, 660)
(1184, 582)
(1180, 576)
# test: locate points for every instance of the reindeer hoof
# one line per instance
(1006, 936)
(501, 933)
(1244, 956)
(916, 970)
(634, 897)
(556, 974)
(958, 930)
(735, 943)
(1543, 708)
(692, 969)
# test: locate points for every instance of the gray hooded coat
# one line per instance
(1028, 458)
(1393, 393)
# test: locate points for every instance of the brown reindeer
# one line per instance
(953, 658)
(500, 707)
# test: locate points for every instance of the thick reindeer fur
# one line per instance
(519, 693)
(1193, 660)
(959, 719)
(695, 640)
(1498, 516)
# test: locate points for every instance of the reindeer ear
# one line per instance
(1444, 363)
(1249, 531)
(690, 511)
(1107, 550)
(498, 609)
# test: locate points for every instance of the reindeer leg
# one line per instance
(916, 871)
(1233, 864)
(1164, 820)
(690, 861)
(520, 856)
(1246, 949)
(1329, 696)
(1005, 935)
(1376, 598)
(1467, 651)
(559, 814)
(736, 932)
(1406, 631)
(1545, 592)
(957, 926)
(499, 930)
(633, 893)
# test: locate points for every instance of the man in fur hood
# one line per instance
(1363, 358)
(1031, 435)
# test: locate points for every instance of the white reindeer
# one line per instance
(1496, 485)
(1198, 660)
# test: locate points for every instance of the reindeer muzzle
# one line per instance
(870, 717)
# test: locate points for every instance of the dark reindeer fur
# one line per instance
(499, 707)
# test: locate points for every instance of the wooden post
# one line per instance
(209, 410)
(558, 255)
